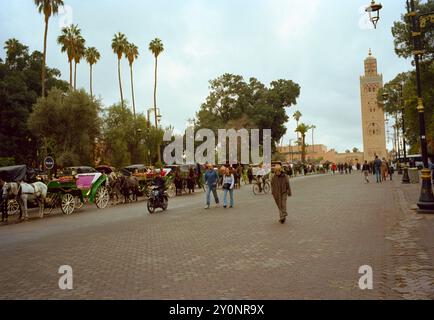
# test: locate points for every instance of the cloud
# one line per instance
(292, 18)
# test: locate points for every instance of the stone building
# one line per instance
(373, 119)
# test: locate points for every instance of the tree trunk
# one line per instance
(44, 56)
(303, 148)
(91, 91)
(70, 74)
(132, 91)
(155, 93)
(120, 82)
(75, 75)
(155, 107)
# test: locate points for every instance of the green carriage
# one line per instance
(71, 192)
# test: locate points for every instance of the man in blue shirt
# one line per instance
(377, 167)
(211, 179)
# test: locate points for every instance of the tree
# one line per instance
(156, 47)
(404, 47)
(20, 85)
(48, 8)
(403, 40)
(132, 53)
(303, 129)
(69, 123)
(68, 40)
(119, 43)
(79, 52)
(124, 143)
(92, 57)
(356, 150)
(297, 116)
(233, 100)
(313, 128)
(16, 54)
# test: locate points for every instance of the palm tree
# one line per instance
(313, 130)
(12, 46)
(92, 57)
(48, 8)
(303, 129)
(156, 47)
(119, 43)
(68, 40)
(79, 51)
(132, 53)
(297, 116)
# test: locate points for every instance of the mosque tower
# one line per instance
(373, 118)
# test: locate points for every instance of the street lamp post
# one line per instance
(405, 176)
(426, 199)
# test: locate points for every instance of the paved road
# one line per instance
(336, 224)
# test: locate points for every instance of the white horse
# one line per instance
(23, 192)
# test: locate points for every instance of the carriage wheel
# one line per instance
(51, 202)
(102, 197)
(13, 207)
(171, 191)
(68, 204)
(78, 203)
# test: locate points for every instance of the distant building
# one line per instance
(373, 119)
(320, 153)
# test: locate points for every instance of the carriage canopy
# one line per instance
(17, 174)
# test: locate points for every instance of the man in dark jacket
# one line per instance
(281, 191)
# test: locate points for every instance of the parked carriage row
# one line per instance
(76, 186)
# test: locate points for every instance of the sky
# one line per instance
(320, 44)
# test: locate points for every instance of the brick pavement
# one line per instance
(336, 224)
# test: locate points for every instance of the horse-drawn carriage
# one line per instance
(75, 187)
(145, 175)
(21, 189)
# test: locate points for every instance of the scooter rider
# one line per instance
(160, 184)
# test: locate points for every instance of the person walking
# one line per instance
(366, 170)
(334, 168)
(3, 203)
(228, 187)
(211, 180)
(191, 181)
(431, 167)
(377, 168)
(250, 175)
(391, 171)
(384, 169)
(281, 191)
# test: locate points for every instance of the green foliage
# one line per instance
(404, 48)
(20, 85)
(70, 122)
(128, 140)
(6, 162)
(401, 31)
(303, 129)
(232, 100)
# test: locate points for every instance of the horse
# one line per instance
(129, 185)
(114, 186)
(23, 192)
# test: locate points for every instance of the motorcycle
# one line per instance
(157, 199)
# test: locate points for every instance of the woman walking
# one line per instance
(228, 187)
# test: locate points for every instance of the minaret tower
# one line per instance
(373, 119)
